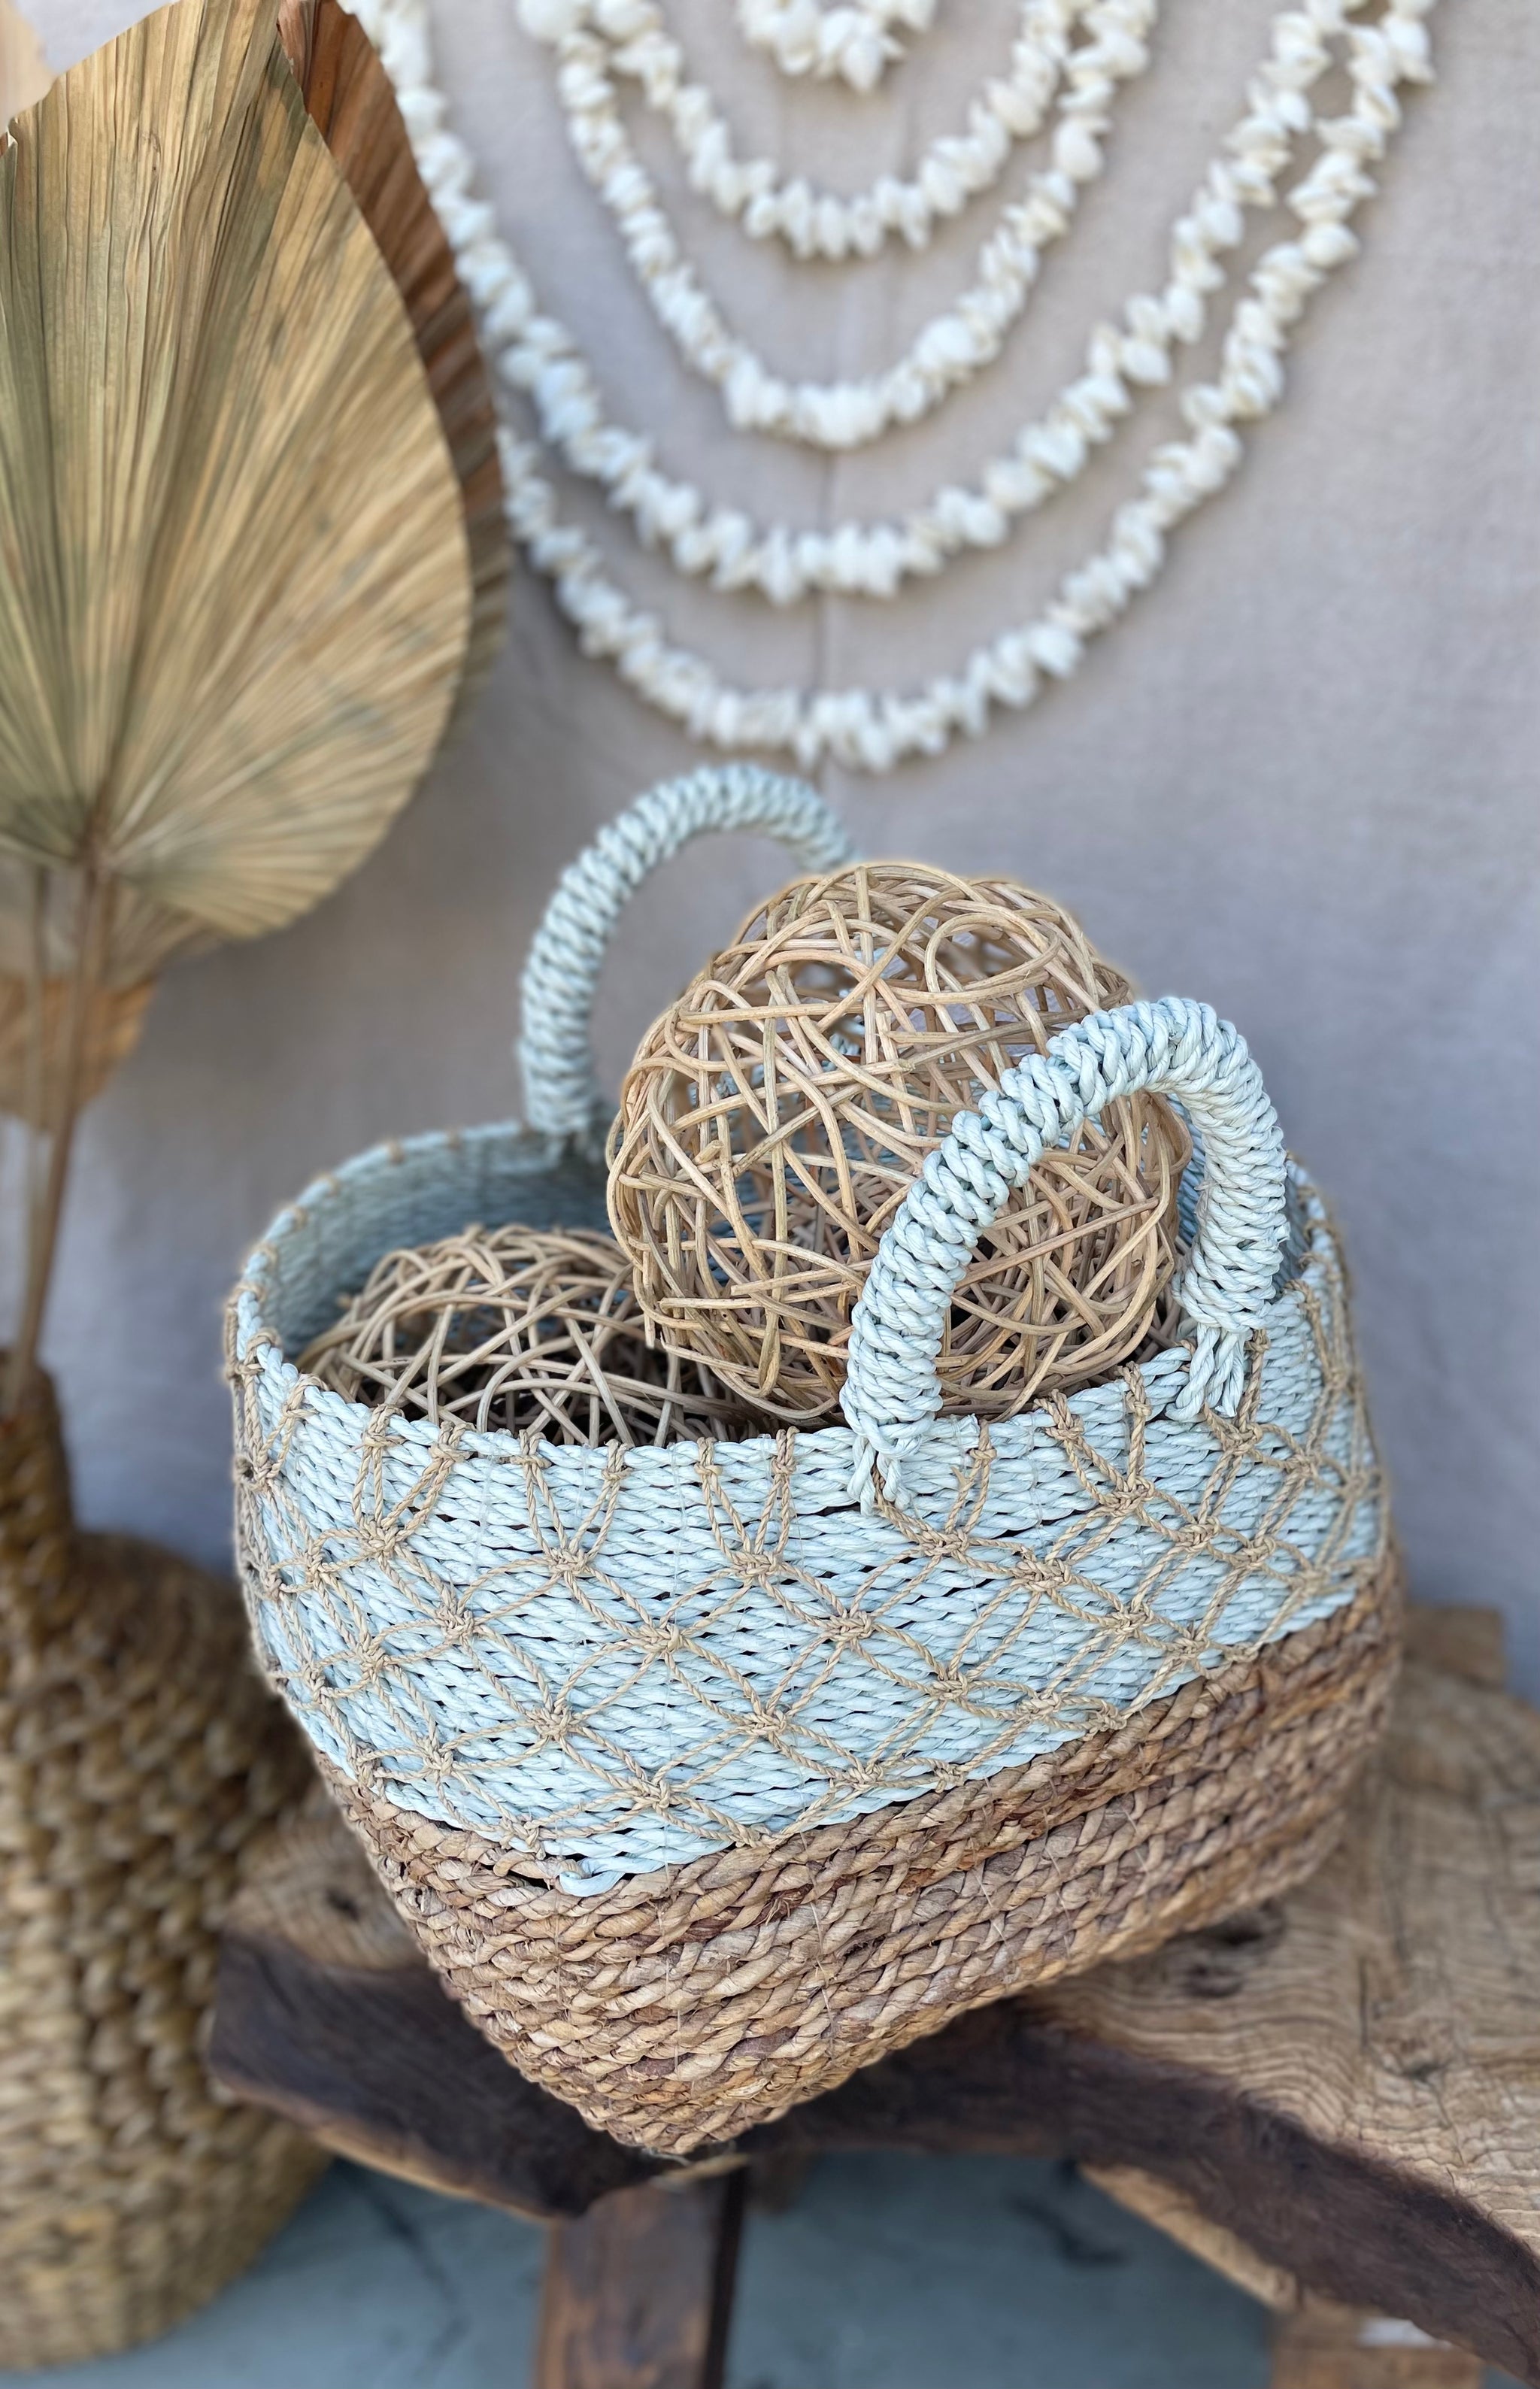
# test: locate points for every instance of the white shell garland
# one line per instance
(952, 349)
(857, 41)
(811, 220)
(862, 559)
(874, 730)
(803, 37)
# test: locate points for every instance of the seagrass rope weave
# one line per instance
(847, 1662)
(707, 1771)
(775, 1117)
(529, 1330)
(678, 2010)
(140, 1758)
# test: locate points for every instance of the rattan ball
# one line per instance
(775, 1117)
(534, 1332)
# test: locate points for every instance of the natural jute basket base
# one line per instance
(140, 1760)
(683, 2006)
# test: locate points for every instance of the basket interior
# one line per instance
(413, 1193)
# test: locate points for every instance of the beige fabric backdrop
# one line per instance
(1298, 781)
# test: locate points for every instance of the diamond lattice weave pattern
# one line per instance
(681, 2008)
(611, 1661)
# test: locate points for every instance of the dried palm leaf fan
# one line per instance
(24, 77)
(350, 99)
(234, 588)
(38, 990)
(348, 96)
(235, 609)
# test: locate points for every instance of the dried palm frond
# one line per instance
(32, 1058)
(349, 98)
(234, 588)
(142, 933)
(352, 106)
(37, 951)
(235, 581)
(38, 914)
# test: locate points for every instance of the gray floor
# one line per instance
(887, 2273)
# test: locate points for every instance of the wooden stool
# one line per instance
(1335, 2101)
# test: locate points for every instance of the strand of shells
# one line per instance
(858, 39)
(810, 219)
(531, 1331)
(874, 559)
(951, 350)
(871, 730)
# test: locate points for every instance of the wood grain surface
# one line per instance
(638, 2295)
(1327, 2347)
(1171, 2211)
(1348, 2084)
(1383, 2027)
(1316, 2343)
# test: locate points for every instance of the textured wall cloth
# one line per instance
(1297, 782)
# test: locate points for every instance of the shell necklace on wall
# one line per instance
(855, 41)
(1069, 57)
(954, 347)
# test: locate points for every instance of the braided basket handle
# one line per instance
(1172, 1047)
(561, 1090)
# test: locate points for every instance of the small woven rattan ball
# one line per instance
(528, 1329)
(775, 1117)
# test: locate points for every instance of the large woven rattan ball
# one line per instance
(775, 1117)
(527, 1330)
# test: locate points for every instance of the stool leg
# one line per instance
(1327, 2347)
(638, 2293)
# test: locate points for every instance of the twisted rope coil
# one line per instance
(561, 1092)
(1175, 1047)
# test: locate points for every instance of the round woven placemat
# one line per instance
(680, 2008)
(140, 1760)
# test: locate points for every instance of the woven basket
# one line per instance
(706, 1773)
(139, 1757)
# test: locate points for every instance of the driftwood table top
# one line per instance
(1344, 2090)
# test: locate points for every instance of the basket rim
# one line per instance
(253, 1337)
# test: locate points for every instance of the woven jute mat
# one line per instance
(680, 2006)
(141, 1761)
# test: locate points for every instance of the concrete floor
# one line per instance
(887, 2273)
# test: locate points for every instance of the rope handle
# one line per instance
(562, 1094)
(1172, 1047)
